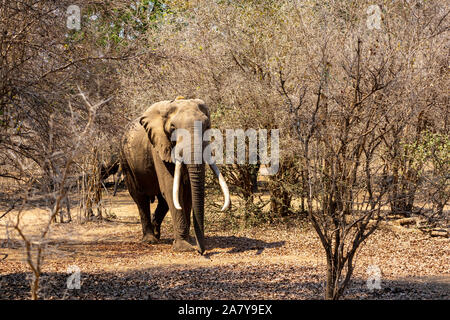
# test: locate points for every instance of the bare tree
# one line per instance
(38, 245)
(346, 95)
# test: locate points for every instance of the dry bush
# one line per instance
(43, 66)
(362, 110)
(345, 96)
(35, 246)
(42, 63)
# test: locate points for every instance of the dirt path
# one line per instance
(277, 262)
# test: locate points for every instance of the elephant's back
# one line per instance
(134, 135)
(136, 157)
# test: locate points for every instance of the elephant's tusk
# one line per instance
(223, 186)
(176, 185)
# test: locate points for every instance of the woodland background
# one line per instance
(360, 97)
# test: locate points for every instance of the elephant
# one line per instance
(150, 171)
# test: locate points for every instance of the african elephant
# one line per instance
(151, 172)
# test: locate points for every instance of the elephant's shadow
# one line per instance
(239, 244)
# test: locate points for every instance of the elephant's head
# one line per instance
(160, 121)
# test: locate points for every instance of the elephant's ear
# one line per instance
(204, 108)
(153, 122)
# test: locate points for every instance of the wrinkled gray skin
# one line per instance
(146, 162)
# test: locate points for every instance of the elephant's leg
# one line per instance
(181, 221)
(180, 218)
(160, 213)
(143, 203)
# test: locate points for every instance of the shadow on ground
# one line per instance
(115, 246)
(218, 282)
(239, 244)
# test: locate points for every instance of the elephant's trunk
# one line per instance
(197, 180)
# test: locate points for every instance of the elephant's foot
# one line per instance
(149, 238)
(157, 231)
(181, 245)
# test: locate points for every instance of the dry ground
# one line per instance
(285, 261)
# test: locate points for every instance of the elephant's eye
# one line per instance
(172, 128)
